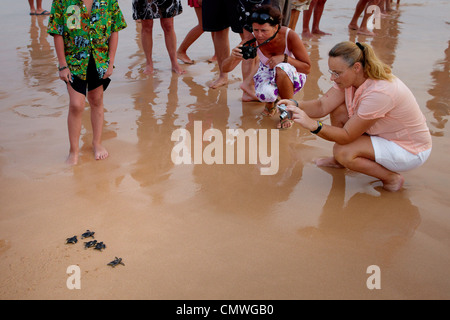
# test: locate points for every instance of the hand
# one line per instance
(109, 72)
(298, 115)
(275, 60)
(65, 75)
(237, 52)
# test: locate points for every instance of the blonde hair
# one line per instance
(363, 53)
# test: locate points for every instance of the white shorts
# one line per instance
(393, 157)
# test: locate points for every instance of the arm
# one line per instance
(65, 74)
(301, 61)
(113, 44)
(234, 59)
(320, 107)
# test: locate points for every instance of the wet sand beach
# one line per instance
(220, 231)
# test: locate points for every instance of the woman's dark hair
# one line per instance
(271, 10)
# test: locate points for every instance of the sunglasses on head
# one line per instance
(262, 18)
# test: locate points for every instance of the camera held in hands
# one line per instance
(284, 113)
(248, 51)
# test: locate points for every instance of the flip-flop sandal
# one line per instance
(269, 112)
(283, 122)
(43, 13)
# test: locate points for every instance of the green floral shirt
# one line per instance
(85, 35)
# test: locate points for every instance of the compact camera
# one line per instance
(249, 52)
(284, 113)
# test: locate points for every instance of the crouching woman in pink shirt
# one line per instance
(376, 123)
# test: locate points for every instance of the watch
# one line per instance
(62, 68)
(320, 126)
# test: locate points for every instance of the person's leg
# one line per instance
(39, 8)
(191, 37)
(359, 156)
(147, 44)
(249, 68)
(32, 7)
(76, 108)
(295, 14)
(363, 28)
(360, 7)
(306, 31)
(170, 38)
(95, 99)
(222, 48)
(318, 11)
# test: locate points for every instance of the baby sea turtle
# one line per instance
(115, 262)
(100, 246)
(72, 240)
(90, 244)
(88, 234)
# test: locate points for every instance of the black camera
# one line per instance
(248, 52)
(284, 113)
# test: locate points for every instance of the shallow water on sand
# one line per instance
(218, 231)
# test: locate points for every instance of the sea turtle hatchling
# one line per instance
(116, 262)
(99, 246)
(90, 244)
(88, 234)
(72, 240)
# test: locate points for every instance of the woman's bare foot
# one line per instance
(320, 32)
(100, 152)
(395, 183)
(352, 26)
(365, 32)
(149, 69)
(184, 57)
(72, 158)
(177, 69)
(248, 94)
(222, 81)
(212, 59)
(328, 162)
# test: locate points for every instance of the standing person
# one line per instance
(376, 123)
(37, 10)
(218, 17)
(86, 35)
(165, 10)
(316, 6)
(192, 35)
(284, 61)
(361, 7)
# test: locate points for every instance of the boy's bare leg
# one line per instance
(76, 108)
(147, 44)
(170, 38)
(95, 98)
(222, 48)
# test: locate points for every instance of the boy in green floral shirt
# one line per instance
(86, 37)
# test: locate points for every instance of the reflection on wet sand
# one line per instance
(440, 104)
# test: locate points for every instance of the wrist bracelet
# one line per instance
(295, 101)
(320, 126)
(62, 68)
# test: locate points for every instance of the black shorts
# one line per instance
(221, 14)
(93, 81)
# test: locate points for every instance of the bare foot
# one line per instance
(184, 57)
(248, 94)
(72, 158)
(328, 162)
(395, 184)
(222, 81)
(321, 33)
(307, 34)
(177, 69)
(365, 32)
(100, 152)
(149, 69)
(212, 59)
(353, 27)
